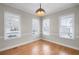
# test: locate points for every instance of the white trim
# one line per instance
(10, 47)
(73, 17)
(14, 15)
(17, 45)
(62, 44)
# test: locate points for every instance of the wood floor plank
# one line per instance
(41, 47)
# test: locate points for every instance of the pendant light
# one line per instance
(40, 12)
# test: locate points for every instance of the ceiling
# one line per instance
(48, 7)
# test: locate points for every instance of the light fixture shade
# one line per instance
(40, 12)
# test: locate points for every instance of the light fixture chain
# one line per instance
(40, 5)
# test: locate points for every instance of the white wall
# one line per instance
(26, 27)
(54, 28)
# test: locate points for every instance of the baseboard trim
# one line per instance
(17, 45)
(37, 40)
(62, 44)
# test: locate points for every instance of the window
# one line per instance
(46, 27)
(35, 27)
(67, 26)
(12, 25)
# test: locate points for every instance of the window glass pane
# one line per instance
(67, 27)
(35, 27)
(46, 27)
(12, 26)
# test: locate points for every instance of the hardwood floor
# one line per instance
(41, 47)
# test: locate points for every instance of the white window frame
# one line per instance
(73, 19)
(7, 33)
(43, 27)
(38, 28)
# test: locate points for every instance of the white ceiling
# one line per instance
(48, 7)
